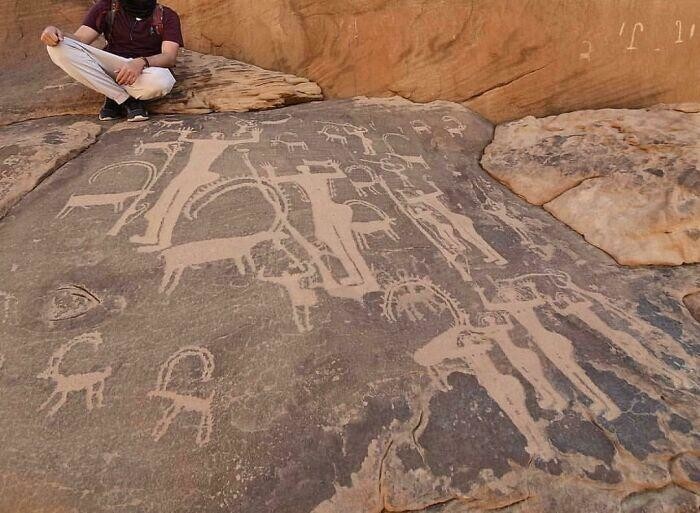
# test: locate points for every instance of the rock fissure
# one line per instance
(501, 85)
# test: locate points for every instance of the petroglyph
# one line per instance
(181, 403)
(409, 160)
(359, 132)
(291, 146)
(332, 134)
(448, 231)
(421, 127)
(416, 297)
(239, 249)
(364, 179)
(300, 289)
(163, 216)
(508, 220)
(454, 126)
(92, 383)
(520, 298)
(278, 266)
(363, 229)
(115, 200)
(71, 302)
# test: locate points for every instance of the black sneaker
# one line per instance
(135, 110)
(111, 110)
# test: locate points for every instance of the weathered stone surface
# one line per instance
(628, 181)
(30, 151)
(205, 84)
(503, 58)
(692, 301)
(329, 308)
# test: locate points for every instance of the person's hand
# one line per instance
(127, 74)
(51, 36)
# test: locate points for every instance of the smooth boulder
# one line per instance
(627, 180)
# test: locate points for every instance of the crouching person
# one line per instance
(143, 38)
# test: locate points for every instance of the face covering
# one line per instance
(139, 8)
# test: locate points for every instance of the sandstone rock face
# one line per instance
(692, 302)
(30, 151)
(215, 84)
(503, 58)
(205, 84)
(627, 180)
(329, 308)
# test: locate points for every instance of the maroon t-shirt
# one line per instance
(131, 37)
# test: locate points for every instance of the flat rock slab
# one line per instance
(32, 150)
(205, 84)
(627, 180)
(329, 308)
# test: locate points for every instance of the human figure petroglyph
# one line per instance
(333, 137)
(409, 160)
(570, 299)
(454, 126)
(421, 127)
(446, 230)
(521, 299)
(463, 342)
(163, 216)
(394, 167)
(291, 146)
(499, 210)
(189, 255)
(301, 293)
(332, 225)
(364, 229)
(181, 403)
(359, 132)
(92, 383)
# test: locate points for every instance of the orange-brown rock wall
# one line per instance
(503, 58)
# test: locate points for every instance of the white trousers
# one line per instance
(96, 69)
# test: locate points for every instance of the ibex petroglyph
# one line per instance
(181, 403)
(91, 383)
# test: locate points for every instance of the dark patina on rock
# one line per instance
(329, 308)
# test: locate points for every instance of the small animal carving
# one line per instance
(92, 383)
(181, 403)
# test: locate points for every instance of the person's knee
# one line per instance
(61, 53)
(154, 86)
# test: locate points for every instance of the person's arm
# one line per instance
(52, 36)
(127, 74)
